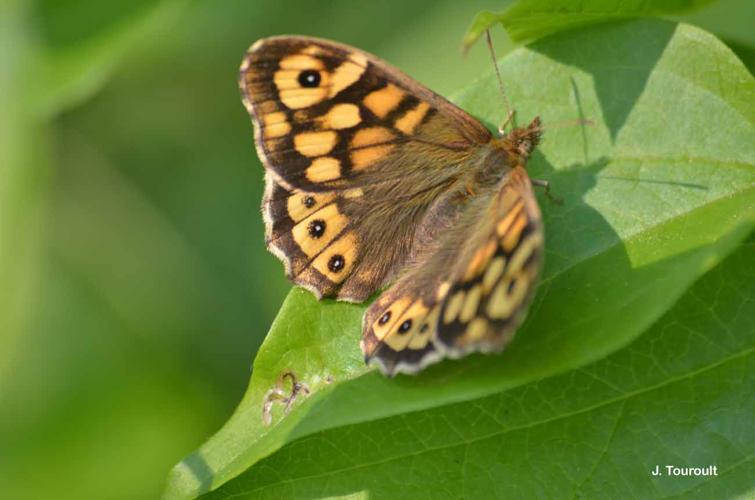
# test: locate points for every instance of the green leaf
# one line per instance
(683, 394)
(531, 19)
(657, 192)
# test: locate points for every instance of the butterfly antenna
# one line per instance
(509, 111)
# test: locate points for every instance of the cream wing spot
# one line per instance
(508, 295)
(341, 116)
(348, 73)
(499, 305)
(471, 302)
(300, 206)
(420, 339)
(323, 169)
(493, 273)
(297, 99)
(329, 222)
(336, 262)
(388, 318)
(476, 330)
(275, 125)
(453, 307)
(518, 288)
(315, 143)
(301, 62)
(523, 252)
(406, 326)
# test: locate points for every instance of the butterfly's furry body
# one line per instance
(373, 180)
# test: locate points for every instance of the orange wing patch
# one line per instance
(370, 145)
(324, 169)
(412, 118)
(383, 101)
(341, 116)
(275, 124)
(315, 143)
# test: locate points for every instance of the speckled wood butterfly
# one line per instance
(374, 180)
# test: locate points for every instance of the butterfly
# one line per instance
(374, 181)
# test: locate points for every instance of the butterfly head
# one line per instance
(521, 142)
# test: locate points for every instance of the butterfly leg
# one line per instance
(547, 186)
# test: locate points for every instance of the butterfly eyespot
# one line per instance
(309, 78)
(384, 318)
(308, 201)
(405, 326)
(336, 263)
(316, 228)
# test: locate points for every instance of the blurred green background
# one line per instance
(134, 283)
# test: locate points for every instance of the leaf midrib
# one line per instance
(618, 399)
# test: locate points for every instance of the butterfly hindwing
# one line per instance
(309, 233)
(480, 299)
(494, 284)
(344, 244)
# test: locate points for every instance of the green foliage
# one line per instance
(657, 192)
(682, 394)
(530, 19)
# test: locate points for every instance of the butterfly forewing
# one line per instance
(329, 116)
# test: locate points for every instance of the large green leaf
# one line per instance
(530, 19)
(682, 395)
(658, 191)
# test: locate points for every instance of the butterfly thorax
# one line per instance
(500, 155)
